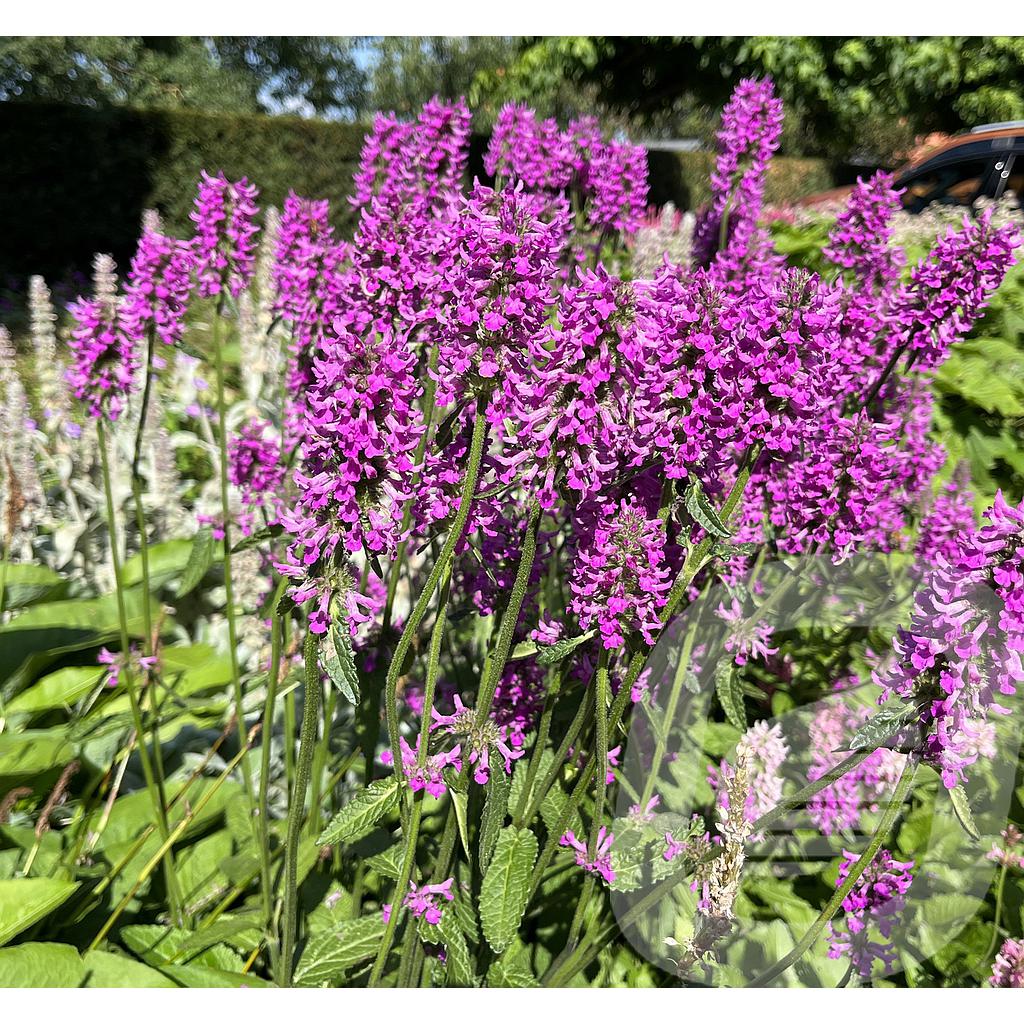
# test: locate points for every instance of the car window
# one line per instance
(1010, 175)
(953, 184)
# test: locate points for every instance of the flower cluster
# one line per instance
(619, 578)
(425, 901)
(158, 287)
(873, 906)
(254, 467)
(479, 740)
(224, 245)
(601, 864)
(1008, 968)
(117, 663)
(104, 359)
(751, 128)
(610, 177)
(764, 751)
(963, 647)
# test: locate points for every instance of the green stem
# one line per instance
(994, 941)
(540, 745)
(409, 853)
(510, 619)
(856, 870)
(395, 670)
(229, 589)
(266, 737)
(307, 741)
(320, 760)
(129, 676)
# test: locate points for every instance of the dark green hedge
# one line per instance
(74, 181)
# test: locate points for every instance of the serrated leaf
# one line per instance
(507, 972)
(506, 886)
(523, 649)
(963, 812)
(41, 965)
(199, 561)
(729, 689)
(493, 817)
(703, 512)
(358, 817)
(388, 862)
(257, 537)
(882, 725)
(23, 901)
(337, 660)
(447, 933)
(552, 653)
(333, 951)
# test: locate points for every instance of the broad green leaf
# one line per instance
(59, 689)
(729, 689)
(962, 810)
(388, 862)
(41, 965)
(331, 952)
(506, 886)
(167, 561)
(39, 635)
(109, 970)
(552, 653)
(33, 752)
(28, 583)
(362, 812)
(23, 901)
(703, 512)
(200, 976)
(493, 818)
(199, 561)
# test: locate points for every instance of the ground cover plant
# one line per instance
(495, 600)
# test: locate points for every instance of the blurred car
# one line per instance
(982, 163)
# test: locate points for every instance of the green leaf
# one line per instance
(58, 689)
(962, 809)
(523, 649)
(358, 817)
(337, 659)
(703, 512)
(331, 952)
(265, 533)
(448, 934)
(33, 752)
(167, 561)
(201, 976)
(23, 901)
(109, 970)
(41, 965)
(460, 801)
(28, 583)
(882, 725)
(730, 693)
(510, 972)
(199, 561)
(493, 817)
(506, 886)
(552, 653)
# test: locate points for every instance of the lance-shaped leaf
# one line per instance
(199, 561)
(964, 814)
(506, 886)
(729, 689)
(883, 725)
(448, 934)
(493, 818)
(552, 653)
(336, 656)
(358, 817)
(257, 537)
(703, 512)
